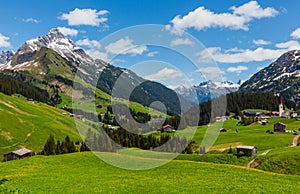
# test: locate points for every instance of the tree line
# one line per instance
(107, 139)
(234, 103)
(53, 147)
(13, 82)
(10, 86)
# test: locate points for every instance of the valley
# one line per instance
(95, 99)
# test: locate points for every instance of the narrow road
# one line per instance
(295, 141)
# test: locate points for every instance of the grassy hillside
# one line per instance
(26, 124)
(284, 160)
(254, 134)
(85, 173)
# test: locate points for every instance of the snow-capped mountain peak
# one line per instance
(224, 84)
(281, 76)
(56, 41)
(207, 90)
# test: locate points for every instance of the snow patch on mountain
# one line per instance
(281, 76)
(56, 41)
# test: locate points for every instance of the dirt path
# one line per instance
(295, 141)
(249, 164)
(265, 153)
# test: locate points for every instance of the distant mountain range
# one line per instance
(281, 77)
(207, 90)
(50, 62)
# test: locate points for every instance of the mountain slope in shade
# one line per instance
(281, 77)
(207, 90)
(57, 59)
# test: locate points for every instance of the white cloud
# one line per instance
(151, 54)
(290, 45)
(68, 31)
(125, 46)
(96, 54)
(231, 50)
(210, 70)
(253, 10)
(261, 42)
(89, 43)
(206, 56)
(4, 41)
(211, 73)
(246, 55)
(90, 17)
(237, 69)
(181, 41)
(165, 74)
(296, 33)
(202, 18)
(31, 20)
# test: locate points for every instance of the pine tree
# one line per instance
(58, 148)
(84, 147)
(49, 148)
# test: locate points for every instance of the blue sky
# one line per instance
(242, 36)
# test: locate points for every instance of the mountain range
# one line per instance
(50, 62)
(207, 90)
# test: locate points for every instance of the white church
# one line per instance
(282, 112)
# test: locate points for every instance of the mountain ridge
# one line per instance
(103, 75)
(280, 77)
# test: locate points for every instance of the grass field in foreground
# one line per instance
(85, 173)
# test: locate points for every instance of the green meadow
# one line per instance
(254, 134)
(26, 124)
(85, 173)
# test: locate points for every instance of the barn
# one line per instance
(17, 154)
(247, 150)
(279, 127)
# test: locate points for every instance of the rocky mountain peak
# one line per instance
(55, 33)
(5, 56)
(56, 41)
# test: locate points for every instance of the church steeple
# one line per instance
(281, 108)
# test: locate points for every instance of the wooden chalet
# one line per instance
(17, 154)
(246, 150)
(279, 127)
